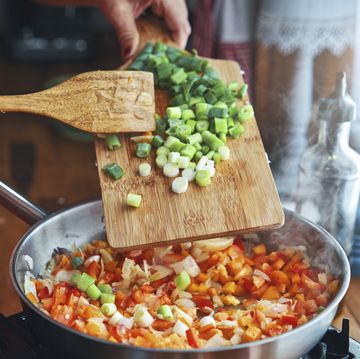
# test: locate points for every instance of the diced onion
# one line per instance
(202, 162)
(161, 272)
(262, 274)
(181, 314)
(144, 169)
(188, 264)
(29, 261)
(170, 170)
(207, 320)
(180, 185)
(185, 303)
(216, 341)
(95, 258)
(64, 276)
(180, 328)
(215, 244)
(235, 339)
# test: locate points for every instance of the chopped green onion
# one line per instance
(75, 278)
(133, 200)
(202, 108)
(107, 298)
(202, 178)
(210, 155)
(183, 132)
(113, 170)
(220, 125)
(222, 136)
(173, 112)
(202, 125)
(187, 114)
(144, 169)
(171, 170)
(178, 76)
(173, 157)
(211, 140)
(93, 292)
(224, 152)
(205, 149)
(76, 262)
(245, 113)
(188, 150)
(192, 124)
(197, 146)
(112, 142)
(195, 138)
(218, 112)
(143, 149)
(183, 161)
(165, 312)
(180, 185)
(108, 309)
(189, 173)
(162, 150)
(161, 160)
(230, 122)
(236, 131)
(192, 165)
(105, 288)
(242, 91)
(85, 282)
(233, 86)
(198, 155)
(157, 141)
(182, 280)
(217, 158)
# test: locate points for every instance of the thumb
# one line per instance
(121, 16)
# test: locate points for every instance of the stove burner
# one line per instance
(17, 342)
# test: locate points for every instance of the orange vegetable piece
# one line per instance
(279, 277)
(271, 293)
(251, 334)
(260, 249)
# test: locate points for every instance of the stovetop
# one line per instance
(17, 342)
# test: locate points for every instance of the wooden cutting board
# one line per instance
(241, 198)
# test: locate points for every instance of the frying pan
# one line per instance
(84, 222)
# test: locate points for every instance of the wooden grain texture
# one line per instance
(241, 198)
(96, 101)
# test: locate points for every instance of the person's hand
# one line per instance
(123, 13)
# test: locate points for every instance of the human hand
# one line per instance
(123, 13)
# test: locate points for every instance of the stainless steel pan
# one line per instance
(84, 222)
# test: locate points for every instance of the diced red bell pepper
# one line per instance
(239, 243)
(288, 319)
(191, 338)
(44, 293)
(202, 300)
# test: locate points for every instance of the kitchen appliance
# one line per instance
(84, 223)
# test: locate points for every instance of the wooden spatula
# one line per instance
(97, 101)
(241, 198)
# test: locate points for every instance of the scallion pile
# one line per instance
(201, 115)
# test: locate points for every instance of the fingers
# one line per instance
(175, 15)
(120, 14)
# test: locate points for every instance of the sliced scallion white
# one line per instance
(224, 152)
(189, 174)
(180, 185)
(161, 161)
(162, 150)
(173, 157)
(183, 161)
(144, 169)
(171, 170)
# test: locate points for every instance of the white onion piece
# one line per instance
(95, 258)
(128, 265)
(180, 185)
(229, 323)
(181, 314)
(207, 320)
(119, 319)
(235, 339)
(215, 244)
(216, 341)
(64, 276)
(202, 162)
(180, 328)
(322, 278)
(49, 284)
(262, 275)
(188, 264)
(161, 272)
(185, 303)
(142, 317)
(29, 285)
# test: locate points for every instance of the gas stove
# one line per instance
(17, 342)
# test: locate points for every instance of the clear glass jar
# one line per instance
(329, 172)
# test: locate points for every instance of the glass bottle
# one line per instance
(329, 171)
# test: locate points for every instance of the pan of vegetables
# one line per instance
(266, 295)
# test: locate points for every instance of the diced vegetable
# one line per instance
(170, 170)
(144, 169)
(183, 280)
(112, 142)
(113, 170)
(180, 185)
(165, 312)
(202, 178)
(143, 149)
(133, 200)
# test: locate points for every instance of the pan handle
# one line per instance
(19, 205)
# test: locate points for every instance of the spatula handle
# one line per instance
(33, 103)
